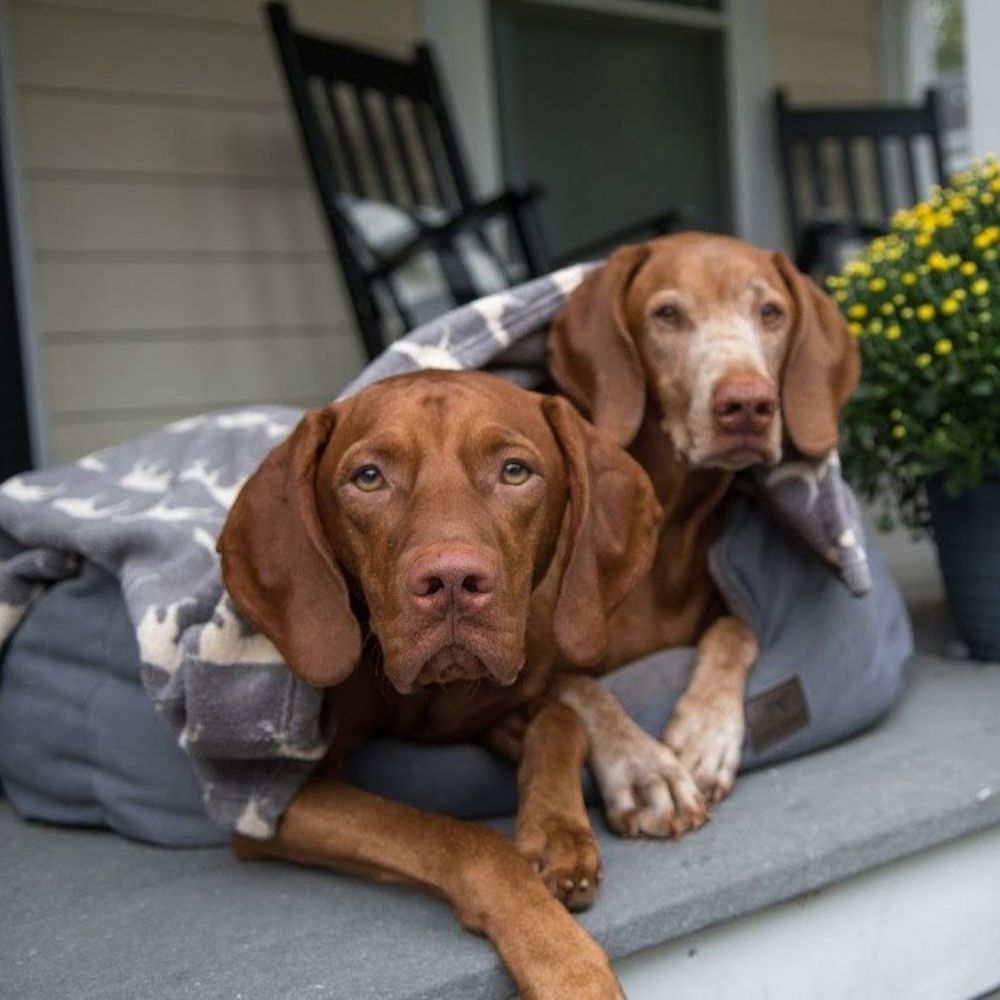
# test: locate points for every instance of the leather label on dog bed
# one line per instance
(777, 713)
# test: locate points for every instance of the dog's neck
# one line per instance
(687, 495)
(677, 599)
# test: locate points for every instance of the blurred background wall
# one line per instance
(176, 258)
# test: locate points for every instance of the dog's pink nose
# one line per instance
(744, 405)
(451, 576)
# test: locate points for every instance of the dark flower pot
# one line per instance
(967, 532)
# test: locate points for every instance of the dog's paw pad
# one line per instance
(566, 857)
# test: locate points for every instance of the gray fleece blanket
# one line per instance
(148, 512)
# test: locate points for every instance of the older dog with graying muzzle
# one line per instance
(703, 356)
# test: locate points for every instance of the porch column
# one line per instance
(982, 68)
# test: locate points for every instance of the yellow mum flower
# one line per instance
(857, 269)
(899, 432)
(959, 294)
(968, 268)
(957, 203)
(893, 332)
(906, 312)
(925, 312)
(923, 360)
(937, 261)
(949, 307)
(877, 284)
(899, 298)
(908, 278)
(875, 326)
(887, 308)
(986, 238)
(856, 329)
(980, 287)
(923, 239)
(943, 346)
(995, 184)
(987, 198)
(840, 295)
(858, 311)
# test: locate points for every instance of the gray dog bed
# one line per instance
(133, 695)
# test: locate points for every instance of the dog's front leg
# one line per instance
(553, 829)
(645, 788)
(491, 887)
(706, 729)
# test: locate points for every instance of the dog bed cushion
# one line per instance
(80, 741)
(147, 513)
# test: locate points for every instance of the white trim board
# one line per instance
(755, 190)
(924, 927)
(669, 13)
(461, 35)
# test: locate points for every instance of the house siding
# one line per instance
(826, 51)
(180, 261)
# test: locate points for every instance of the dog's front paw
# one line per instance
(565, 855)
(646, 790)
(707, 737)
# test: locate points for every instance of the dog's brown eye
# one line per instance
(668, 314)
(514, 473)
(368, 478)
(770, 312)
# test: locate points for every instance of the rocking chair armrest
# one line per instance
(663, 222)
(509, 203)
(813, 234)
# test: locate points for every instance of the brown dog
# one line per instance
(699, 354)
(428, 550)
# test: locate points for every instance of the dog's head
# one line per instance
(733, 344)
(426, 510)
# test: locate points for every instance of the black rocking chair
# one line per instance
(379, 138)
(821, 225)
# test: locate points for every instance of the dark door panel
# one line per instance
(617, 118)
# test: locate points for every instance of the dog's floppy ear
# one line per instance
(278, 565)
(592, 356)
(612, 528)
(823, 365)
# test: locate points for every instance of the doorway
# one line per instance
(617, 117)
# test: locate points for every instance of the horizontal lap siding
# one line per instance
(826, 50)
(180, 260)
